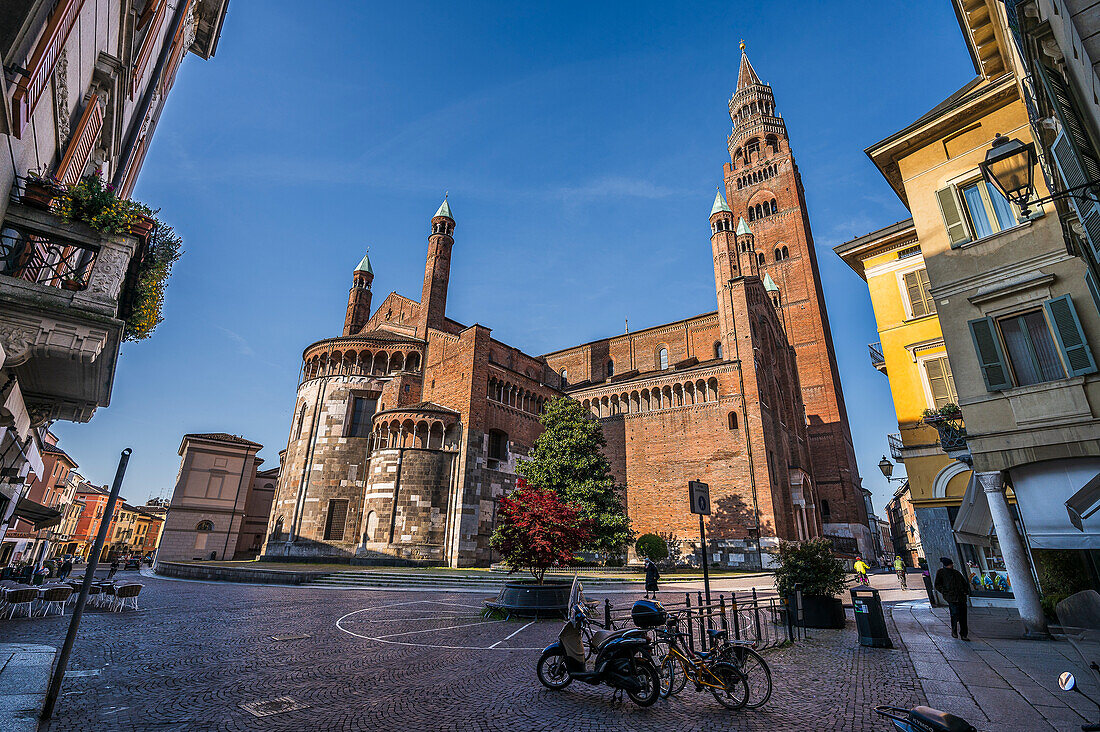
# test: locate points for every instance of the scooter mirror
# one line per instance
(1067, 682)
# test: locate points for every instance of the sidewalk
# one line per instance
(997, 680)
(24, 678)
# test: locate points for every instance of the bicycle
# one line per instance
(723, 679)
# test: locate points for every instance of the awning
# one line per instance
(41, 517)
(974, 524)
(1084, 503)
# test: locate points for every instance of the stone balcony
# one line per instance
(62, 288)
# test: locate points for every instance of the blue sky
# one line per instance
(580, 142)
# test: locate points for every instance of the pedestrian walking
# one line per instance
(114, 568)
(953, 586)
(651, 577)
(66, 567)
(899, 567)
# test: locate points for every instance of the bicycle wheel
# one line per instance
(757, 673)
(672, 677)
(734, 692)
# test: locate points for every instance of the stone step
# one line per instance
(422, 579)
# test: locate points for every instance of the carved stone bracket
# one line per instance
(24, 337)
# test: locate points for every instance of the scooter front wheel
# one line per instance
(553, 672)
(650, 691)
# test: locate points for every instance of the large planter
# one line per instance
(822, 612)
(38, 194)
(142, 226)
(532, 599)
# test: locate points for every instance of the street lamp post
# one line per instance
(887, 469)
(1009, 166)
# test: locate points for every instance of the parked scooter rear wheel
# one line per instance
(647, 676)
(552, 671)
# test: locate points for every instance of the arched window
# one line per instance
(786, 254)
(301, 421)
(752, 214)
(760, 259)
(204, 525)
(662, 358)
(564, 378)
(610, 368)
(718, 349)
(732, 420)
(778, 255)
(277, 531)
(775, 206)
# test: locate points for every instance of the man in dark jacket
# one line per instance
(951, 583)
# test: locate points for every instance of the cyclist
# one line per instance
(861, 568)
(899, 567)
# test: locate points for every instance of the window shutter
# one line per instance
(990, 358)
(937, 381)
(912, 289)
(81, 143)
(1071, 338)
(1088, 211)
(952, 216)
(926, 291)
(1093, 289)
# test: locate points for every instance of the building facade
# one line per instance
(912, 354)
(1018, 315)
(407, 428)
(83, 86)
(904, 529)
(208, 510)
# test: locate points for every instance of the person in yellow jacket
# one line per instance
(899, 567)
(861, 568)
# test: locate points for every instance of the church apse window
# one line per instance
(301, 421)
(336, 519)
(718, 349)
(498, 447)
(564, 378)
(610, 368)
(662, 358)
(360, 411)
(731, 420)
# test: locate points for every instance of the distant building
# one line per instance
(904, 532)
(261, 493)
(210, 503)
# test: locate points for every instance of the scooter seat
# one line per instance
(600, 637)
(933, 720)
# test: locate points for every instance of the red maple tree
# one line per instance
(537, 530)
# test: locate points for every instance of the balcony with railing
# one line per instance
(897, 447)
(878, 360)
(63, 289)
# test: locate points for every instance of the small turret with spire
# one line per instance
(359, 297)
(747, 258)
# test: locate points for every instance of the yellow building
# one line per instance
(912, 354)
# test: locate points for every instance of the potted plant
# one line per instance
(72, 284)
(143, 220)
(40, 189)
(535, 531)
(811, 567)
(95, 203)
(948, 421)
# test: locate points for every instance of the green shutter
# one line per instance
(1093, 289)
(990, 358)
(952, 216)
(1071, 338)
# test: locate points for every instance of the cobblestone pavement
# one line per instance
(197, 651)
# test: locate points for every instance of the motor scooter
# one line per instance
(1079, 616)
(924, 719)
(621, 659)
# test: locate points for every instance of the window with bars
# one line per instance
(336, 519)
(917, 293)
(940, 383)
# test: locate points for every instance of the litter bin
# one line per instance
(870, 622)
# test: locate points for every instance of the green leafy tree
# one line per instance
(568, 459)
(652, 547)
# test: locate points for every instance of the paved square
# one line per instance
(371, 660)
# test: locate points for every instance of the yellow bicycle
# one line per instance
(708, 671)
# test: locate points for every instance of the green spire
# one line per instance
(742, 227)
(364, 264)
(769, 283)
(719, 203)
(444, 210)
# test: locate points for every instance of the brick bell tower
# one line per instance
(437, 271)
(763, 186)
(359, 297)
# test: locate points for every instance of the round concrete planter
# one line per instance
(531, 599)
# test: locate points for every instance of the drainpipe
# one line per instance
(130, 143)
